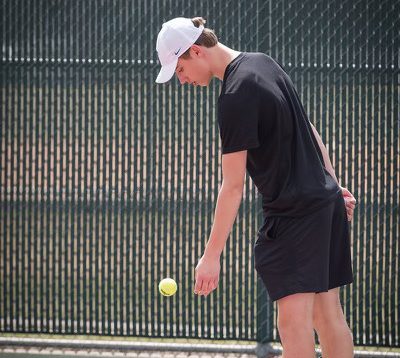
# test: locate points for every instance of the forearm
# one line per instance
(226, 209)
(325, 155)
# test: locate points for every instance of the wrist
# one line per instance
(212, 253)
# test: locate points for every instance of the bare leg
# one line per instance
(333, 332)
(295, 325)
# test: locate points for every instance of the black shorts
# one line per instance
(305, 254)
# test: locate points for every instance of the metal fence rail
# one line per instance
(108, 181)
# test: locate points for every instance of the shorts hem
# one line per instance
(277, 296)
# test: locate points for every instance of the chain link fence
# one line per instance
(108, 181)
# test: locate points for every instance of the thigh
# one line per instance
(327, 307)
(296, 308)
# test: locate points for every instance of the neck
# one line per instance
(221, 57)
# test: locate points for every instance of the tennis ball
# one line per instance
(167, 287)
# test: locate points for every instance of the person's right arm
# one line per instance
(228, 202)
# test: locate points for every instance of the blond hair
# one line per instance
(208, 38)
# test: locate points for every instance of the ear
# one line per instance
(197, 50)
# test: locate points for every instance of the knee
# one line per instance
(331, 324)
(319, 321)
(294, 326)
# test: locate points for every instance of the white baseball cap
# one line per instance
(175, 37)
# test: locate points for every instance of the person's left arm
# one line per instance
(349, 199)
(228, 202)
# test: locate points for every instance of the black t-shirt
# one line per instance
(260, 111)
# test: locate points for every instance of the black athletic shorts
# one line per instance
(305, 254)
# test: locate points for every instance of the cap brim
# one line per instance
(166, 72)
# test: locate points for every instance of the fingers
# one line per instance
(209, 288)
(350, 203)
(347, 193)
(349, 214)
(215, 284)
(205, 287)
(349, 210)
(198, 287)
(350, 206)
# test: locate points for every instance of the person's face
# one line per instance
(195, 69)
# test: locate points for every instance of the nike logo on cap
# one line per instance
(177, 51)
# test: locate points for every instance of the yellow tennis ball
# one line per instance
(167, 287)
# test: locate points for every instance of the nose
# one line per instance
(182, 78)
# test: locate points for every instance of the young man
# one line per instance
(302, 253)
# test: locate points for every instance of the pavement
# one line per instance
(26, 352)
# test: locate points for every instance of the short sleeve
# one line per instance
(238, 121)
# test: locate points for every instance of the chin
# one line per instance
(205, 83)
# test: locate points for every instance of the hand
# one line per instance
(206, 275)
(350, 203)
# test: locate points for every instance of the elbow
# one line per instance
(233, 189)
